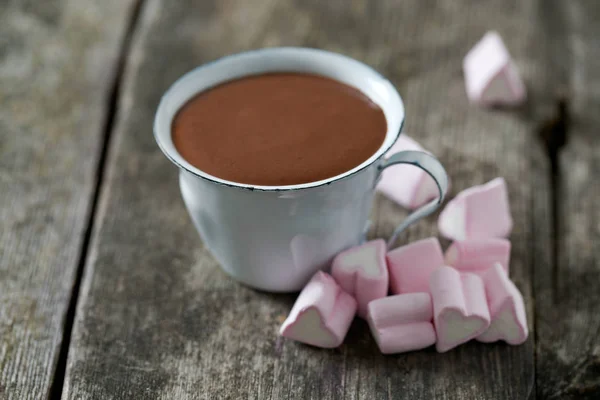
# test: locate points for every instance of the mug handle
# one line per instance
(434, 168)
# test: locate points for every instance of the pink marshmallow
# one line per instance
(321, 315)
(402, 323)
(478, 255)
(407, 185)
(411, 265)
(507, 309)
(460, 310)
(362, 272)
(491, 77)
(477, 213)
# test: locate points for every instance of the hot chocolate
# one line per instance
(278, 129)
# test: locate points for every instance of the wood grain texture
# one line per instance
(568, 294)
(159, 319)
(57, 60)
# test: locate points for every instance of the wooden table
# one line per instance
(106, 291)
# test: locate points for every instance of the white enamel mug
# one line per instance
(276, 237)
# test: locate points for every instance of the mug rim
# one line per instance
(392, 133)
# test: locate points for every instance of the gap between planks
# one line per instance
(56, 387)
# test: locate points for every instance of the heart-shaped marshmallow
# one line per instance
(491, 77)
(362, 272)
(478, 255)
(460, 310)
(507, 309)
(410, 266)
(321, 315)
(402, 323)
(407, 185)
(477, 213)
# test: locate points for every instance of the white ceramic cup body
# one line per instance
(276, 238)
(276, 241)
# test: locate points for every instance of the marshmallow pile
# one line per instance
(416, 296)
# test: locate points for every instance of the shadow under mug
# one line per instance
(275, 238)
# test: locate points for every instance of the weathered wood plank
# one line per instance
(57, 61)
(159, 319)
(567, 291)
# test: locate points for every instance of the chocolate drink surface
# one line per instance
(278, 129)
